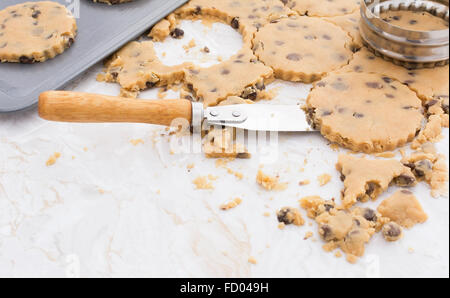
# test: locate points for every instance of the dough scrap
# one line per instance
(243, 75)
(320, 8)
(414, 20)
(364, 112)
(245, 16)
(428, 83)
(270, 182)
(366, 179)
(429, 167)
(289, 215)
(302, 49)
(392, 232)
(35, 32)
(136, 67)
(348, 230)
(403, 208)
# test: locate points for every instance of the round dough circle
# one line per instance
(365, 112)
(302, 49)
(35, 31)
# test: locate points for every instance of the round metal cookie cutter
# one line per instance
(409, 48)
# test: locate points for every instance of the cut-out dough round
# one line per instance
(35, 31)
(302, 48)
(414, 20)
(323, 8)
(365, 112)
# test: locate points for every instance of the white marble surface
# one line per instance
(108, 208)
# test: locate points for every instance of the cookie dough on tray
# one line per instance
(365, 112)
(35, 31)
(414, 20)
(323, 8)
(302, 48)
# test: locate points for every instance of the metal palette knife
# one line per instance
(80, 107)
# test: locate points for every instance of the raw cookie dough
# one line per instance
(350, 24)
(366, 179)
(245, 16)
(430, 167)
(414, 20)
(289, 216)
(429, 84)
(136, 67)
(302, 49)
(322, 8)
(243, 75)
(35, 31)
(403, 208)
(112, 1)
(392, 232)
(348, 230)
(431, 132)
(364, 112)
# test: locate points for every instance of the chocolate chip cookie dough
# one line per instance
(35, 31)
(403, 208)
(136, 67)
(302, 49)
(350, 24)
(348, 230)
(429, 83)
(245, 16)
(243, 75)
(322, 8)
(366, 179)
(414, 20)
(364, 112)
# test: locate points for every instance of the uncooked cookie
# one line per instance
(350, 24)
(365, 112)
(245, 16)
(112, 1)
(414, 20)
(243, 75)
(429, 84)
(366, 179)
(302, 49)
(403, 208)
(136, 67)
(35, 31)
(392, 232)
(322, 8)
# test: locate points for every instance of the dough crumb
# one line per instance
(189, 46)
(304, 182)
(136, 142)
(338, 254)
(324, 179)
(270, 182)
(308, 235)
(289, 215)
(252, 260)
(231, 204)
(266, 214)
(203, 182)
(392, 232)
(52, 160)
(281, 226)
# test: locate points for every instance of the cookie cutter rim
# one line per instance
(382, 38)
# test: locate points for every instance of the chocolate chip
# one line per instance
(413, 22)
(326, 113)
(328, 207)
(177, 33)
(374, 85)
(388, 95)
(404, 180)
(235, 23)
(225, 72)
(326, 37)
(293, 57)
(358, 115)
(370, 215)
(3, 45)
(392, 231)
(370, 188)
(326, 232)
(150, 84)
(387, 80)
(430, 103)
(321, 84)
(284, 215)
(422, 167)
(35, 14)
(339, 86)
(26, 60)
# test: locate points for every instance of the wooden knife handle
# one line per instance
(79, 107)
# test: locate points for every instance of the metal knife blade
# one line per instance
(282, 118)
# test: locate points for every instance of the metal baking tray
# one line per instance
(102, 29)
